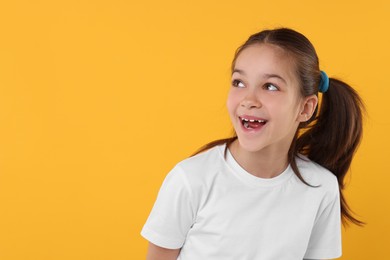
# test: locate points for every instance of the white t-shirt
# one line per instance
(212, 208)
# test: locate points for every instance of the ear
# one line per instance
(308, 107)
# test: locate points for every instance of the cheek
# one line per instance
(232, 102)
(289, 113)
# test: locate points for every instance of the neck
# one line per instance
(263, 164)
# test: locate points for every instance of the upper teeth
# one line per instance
(252, 120)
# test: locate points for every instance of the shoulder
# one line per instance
(209, 160)
(317, 175)
(199, 170)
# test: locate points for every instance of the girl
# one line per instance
(274, 190)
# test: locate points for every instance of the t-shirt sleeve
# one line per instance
(173, 213)
(325, 239)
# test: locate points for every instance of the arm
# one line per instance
(160, 253)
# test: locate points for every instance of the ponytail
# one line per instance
(333, 137)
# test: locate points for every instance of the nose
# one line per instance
(251, 100)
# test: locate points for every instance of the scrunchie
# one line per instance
(324, 83)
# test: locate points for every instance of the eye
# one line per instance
(271, 87)
(238, 84)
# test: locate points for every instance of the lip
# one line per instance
(250, 117)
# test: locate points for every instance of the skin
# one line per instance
(265, 86)
(159, 253)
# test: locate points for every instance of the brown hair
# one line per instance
(331, 136)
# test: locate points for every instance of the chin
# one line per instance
(249, 145)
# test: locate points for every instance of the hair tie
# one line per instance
(324, 83)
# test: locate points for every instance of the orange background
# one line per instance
(99, 99)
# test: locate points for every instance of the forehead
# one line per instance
(266, 58)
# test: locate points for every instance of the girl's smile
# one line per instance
(252, 123)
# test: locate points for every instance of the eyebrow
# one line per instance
(266, 76)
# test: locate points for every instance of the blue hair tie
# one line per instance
(324, 83)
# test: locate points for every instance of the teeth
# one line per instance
(252, 120)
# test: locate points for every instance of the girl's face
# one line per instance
(264, 103)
